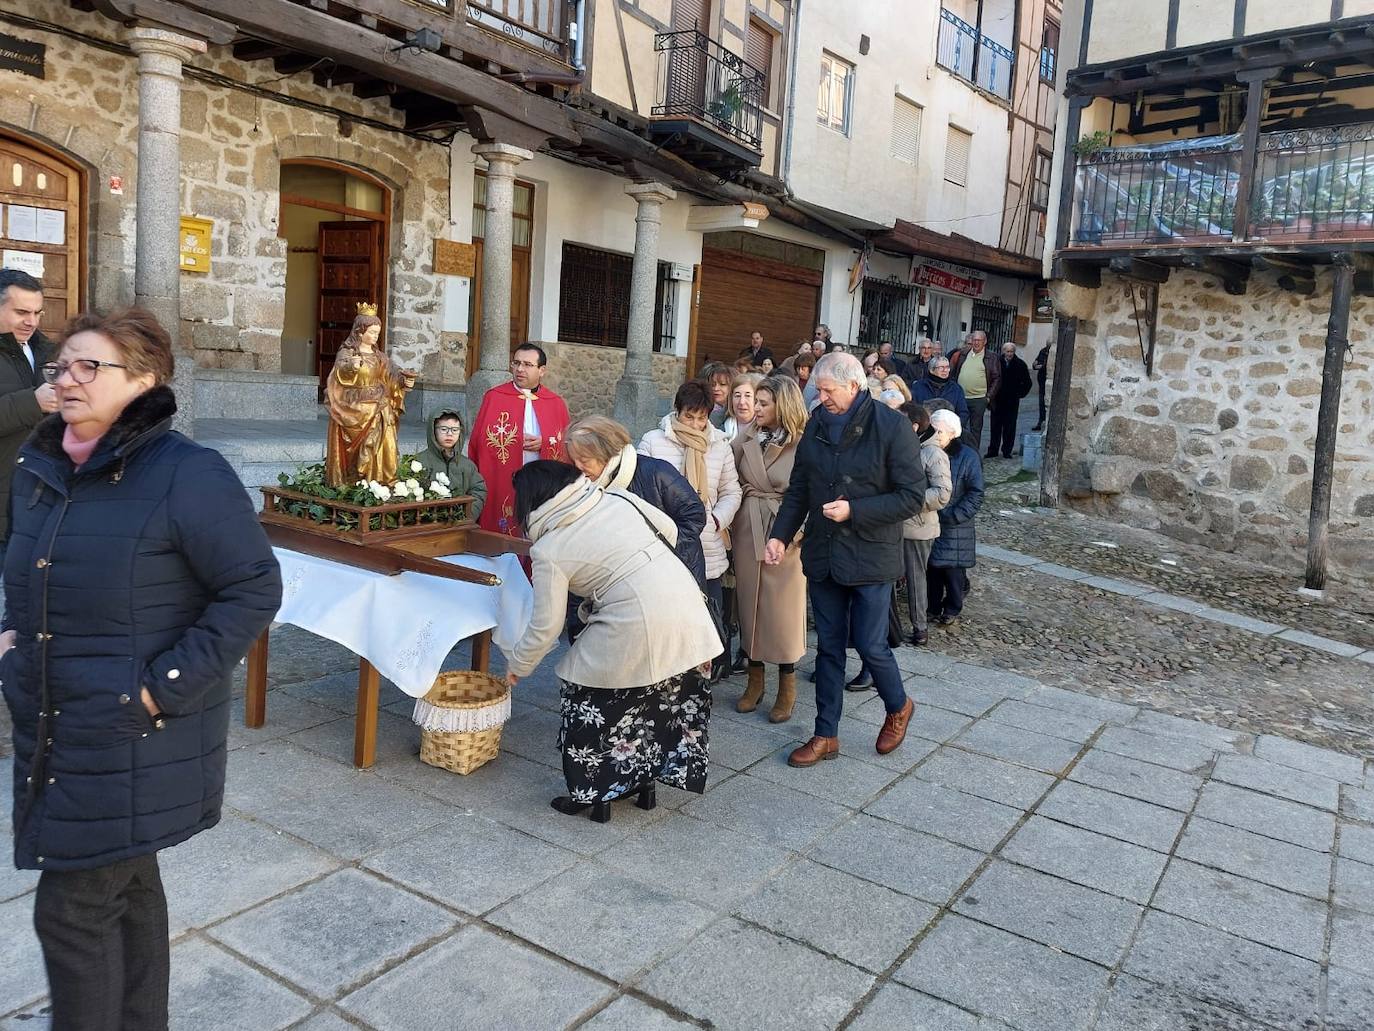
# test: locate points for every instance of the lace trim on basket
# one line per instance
(433, 717)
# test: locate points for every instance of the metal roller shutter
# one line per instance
(781, 303)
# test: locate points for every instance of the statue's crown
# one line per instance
(364, 308)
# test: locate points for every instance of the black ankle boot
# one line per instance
(601, 812)
(647, 797)
(567, 806)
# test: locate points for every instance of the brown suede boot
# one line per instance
(753, 692)
(787, 697)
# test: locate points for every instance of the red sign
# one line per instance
(952, 278)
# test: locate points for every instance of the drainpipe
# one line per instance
(791, 96)
(577, 64)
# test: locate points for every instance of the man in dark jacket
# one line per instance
(1041, 366)
(1015, 384)
(856, 478)
(980, 380)
(756, 352)
(955, 550)
(24, 396)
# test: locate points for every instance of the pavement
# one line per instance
(1032, 858)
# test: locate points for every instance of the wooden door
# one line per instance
(350, 272)
(44, 206)
(519, 302)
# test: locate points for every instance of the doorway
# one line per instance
(336, 222)
(43, 198)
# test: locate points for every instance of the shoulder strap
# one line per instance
(647, 522)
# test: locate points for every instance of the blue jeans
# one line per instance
(858, 614)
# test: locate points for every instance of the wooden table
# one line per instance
(369, 694)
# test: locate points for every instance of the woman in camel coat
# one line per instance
(772, 599)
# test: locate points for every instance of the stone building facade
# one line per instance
(1216, 445)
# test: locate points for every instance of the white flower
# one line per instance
(416, 467)
(442, 478)
(383, 493)
(441, 491)
(361, 483)
(413, 484)
(433, 487)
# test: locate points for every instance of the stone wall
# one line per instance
(232, 145)
(586, 376)
(1216, 446)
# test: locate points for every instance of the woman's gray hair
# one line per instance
(840, 367)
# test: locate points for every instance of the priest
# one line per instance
(519, 422)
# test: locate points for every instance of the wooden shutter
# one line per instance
(956, 156)
(758, 51)
(906, 129)
(692, 14)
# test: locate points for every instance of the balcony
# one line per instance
(537, 24)
(708, 105)
(976, 58)
(1310, 186)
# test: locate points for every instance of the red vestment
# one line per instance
(497, 446)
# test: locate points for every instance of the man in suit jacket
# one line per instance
(24, 396)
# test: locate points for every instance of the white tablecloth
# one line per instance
(405, 625)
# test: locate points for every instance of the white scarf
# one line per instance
(569, 504)
(620, 470)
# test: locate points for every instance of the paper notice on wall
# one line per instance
(23, 223)
(25, 261)
(52, 226)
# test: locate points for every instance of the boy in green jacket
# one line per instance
(445, 455)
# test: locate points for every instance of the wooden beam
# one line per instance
(1249, 153)
(338, 76)
(257, 50)
(370, 89)
(1079, 273)
(1233, 275)
(209, 25)
(1304, 286)
(1328, 419)
(293, 64)
(490, 127)
(322, 34)
(1057, 423)
(1141, 269)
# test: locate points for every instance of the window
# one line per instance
(837, 84)
(594, 298)
(1040, 193)
(1049, 51)
(758, 51)
(906, 129)
(957, 148)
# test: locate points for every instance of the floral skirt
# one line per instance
(614, 742)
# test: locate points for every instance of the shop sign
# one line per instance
(22, 55)
(195, 243)
(943, 275)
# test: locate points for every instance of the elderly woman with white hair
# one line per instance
(856, 477)
(955, 550)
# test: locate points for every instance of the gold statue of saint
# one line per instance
(366, 396)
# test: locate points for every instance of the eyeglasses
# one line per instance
(448, 429)
(524, 365)
(83, 370)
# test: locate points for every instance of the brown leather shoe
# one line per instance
(814, 751)
(894, 728)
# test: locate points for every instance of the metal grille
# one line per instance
(975, 58)
(1315, 184)
(537, 24)
(888, 313)
(699, 78)
(594, 299)
(998, 321)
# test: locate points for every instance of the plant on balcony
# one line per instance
(727, 106)
(1092, 144)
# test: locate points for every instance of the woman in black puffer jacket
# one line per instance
(136, 578)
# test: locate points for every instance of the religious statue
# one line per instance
(365, 396)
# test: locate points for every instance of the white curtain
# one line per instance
(945, 314)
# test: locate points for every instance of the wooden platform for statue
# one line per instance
(412, 546)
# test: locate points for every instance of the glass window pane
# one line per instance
(521, 232)
(524, 199)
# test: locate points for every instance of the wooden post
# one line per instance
(1249, 155)
(1328, 417)
(481, 652)
(365, 723)
(1057, 423)
(255, 691)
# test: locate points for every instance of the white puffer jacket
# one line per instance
(723, 494)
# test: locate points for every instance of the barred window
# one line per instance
(594, 299)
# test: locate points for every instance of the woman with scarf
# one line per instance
(939, 385)
(772, 599)
(635, 709)
(690, 444)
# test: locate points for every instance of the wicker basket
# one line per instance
(461, 720)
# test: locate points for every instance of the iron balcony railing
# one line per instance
(974, 58)
(1309, 185)
(698, 78)
(538, 24)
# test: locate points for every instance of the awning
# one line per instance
(909, 238)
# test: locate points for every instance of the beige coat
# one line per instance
(722, 487)
(772, 599)
(925, 524)
(646, 619)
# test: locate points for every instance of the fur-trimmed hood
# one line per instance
(143, 418)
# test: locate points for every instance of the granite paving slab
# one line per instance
(1348, 769)
(1349, 1001)
(1324, 644)
(1103, 709)
(630, 1014)
(935, 809)
(534, 735)
(314, 937)
(1218, 968)
(286, 715)
(772, 813)
(990, 679)
(1354, 885)
(1357, 804)
(1092, 860)
(1352, 941)
(1248, 771)
(1128, 819)
(1060, 572)
(737, 746)
(984, 969)
(906, 861)
(1273, 817)
(1245, 908)
(1043, 719)
(1122, 587)
(398, 739)
(859, 922)
(479, 979)
(212, 989)
(897, 1008)
(1218, 738)
(1135, 779)
(1015, 745)
(945, 694)
(1136, 1005)
(1357, 842)
(603, 920)
(742, 978)
(23, 980)
(985, 777)
(845, 780)
(1054, 912)
(470, 863)
(928, 722)
(325, 1020)
(922, 660)
(1245, 854)
(1161, 749)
